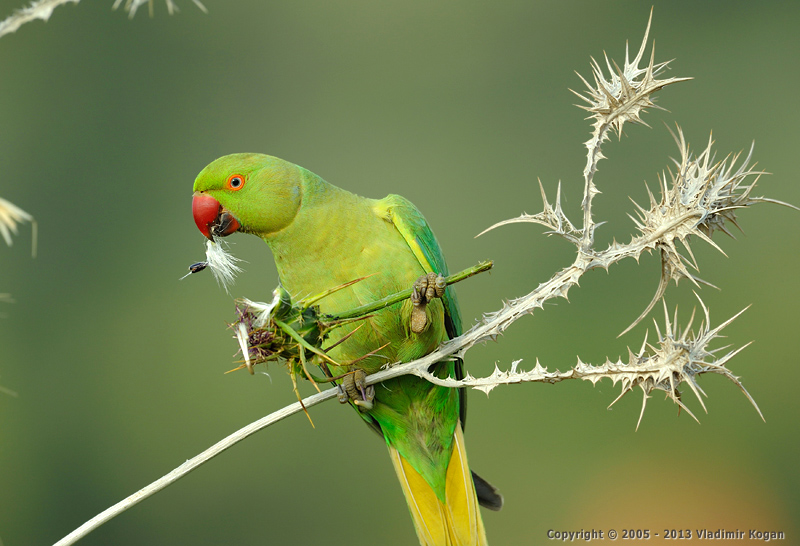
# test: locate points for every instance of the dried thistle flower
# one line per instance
(680, 356)
(701, 197)
(10, 216)
(131, 6)
(626, 94)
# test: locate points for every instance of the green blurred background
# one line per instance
(459, 106)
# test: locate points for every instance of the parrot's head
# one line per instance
(252, 193)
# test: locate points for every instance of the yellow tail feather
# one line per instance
(454, 523)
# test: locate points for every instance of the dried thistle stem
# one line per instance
(192, 464)
(612, 103)
(41, 9)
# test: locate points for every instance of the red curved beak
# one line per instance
(211, 218)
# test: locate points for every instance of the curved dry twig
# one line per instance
(192, 464)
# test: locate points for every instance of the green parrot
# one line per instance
(321, 237)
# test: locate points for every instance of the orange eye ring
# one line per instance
(235, 182)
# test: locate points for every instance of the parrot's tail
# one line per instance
(456, 522)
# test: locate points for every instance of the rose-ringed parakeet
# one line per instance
(322, 237)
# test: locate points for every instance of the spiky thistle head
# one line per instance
(701, 196)
(697, 199)
(679, 356)
(625, 94)
(131, 6)
(10, 217)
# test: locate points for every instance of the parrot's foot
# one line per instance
(426, 288)
(354, 387)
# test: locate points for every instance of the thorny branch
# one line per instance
(699, 198)
(696, 200)
(39, 9)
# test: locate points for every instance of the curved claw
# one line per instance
(425, 289)
(341, 394)
(354, 389)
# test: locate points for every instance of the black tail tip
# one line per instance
(488, 496)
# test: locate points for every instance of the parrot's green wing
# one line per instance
(415, 230)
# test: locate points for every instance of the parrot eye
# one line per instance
(235, 182)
